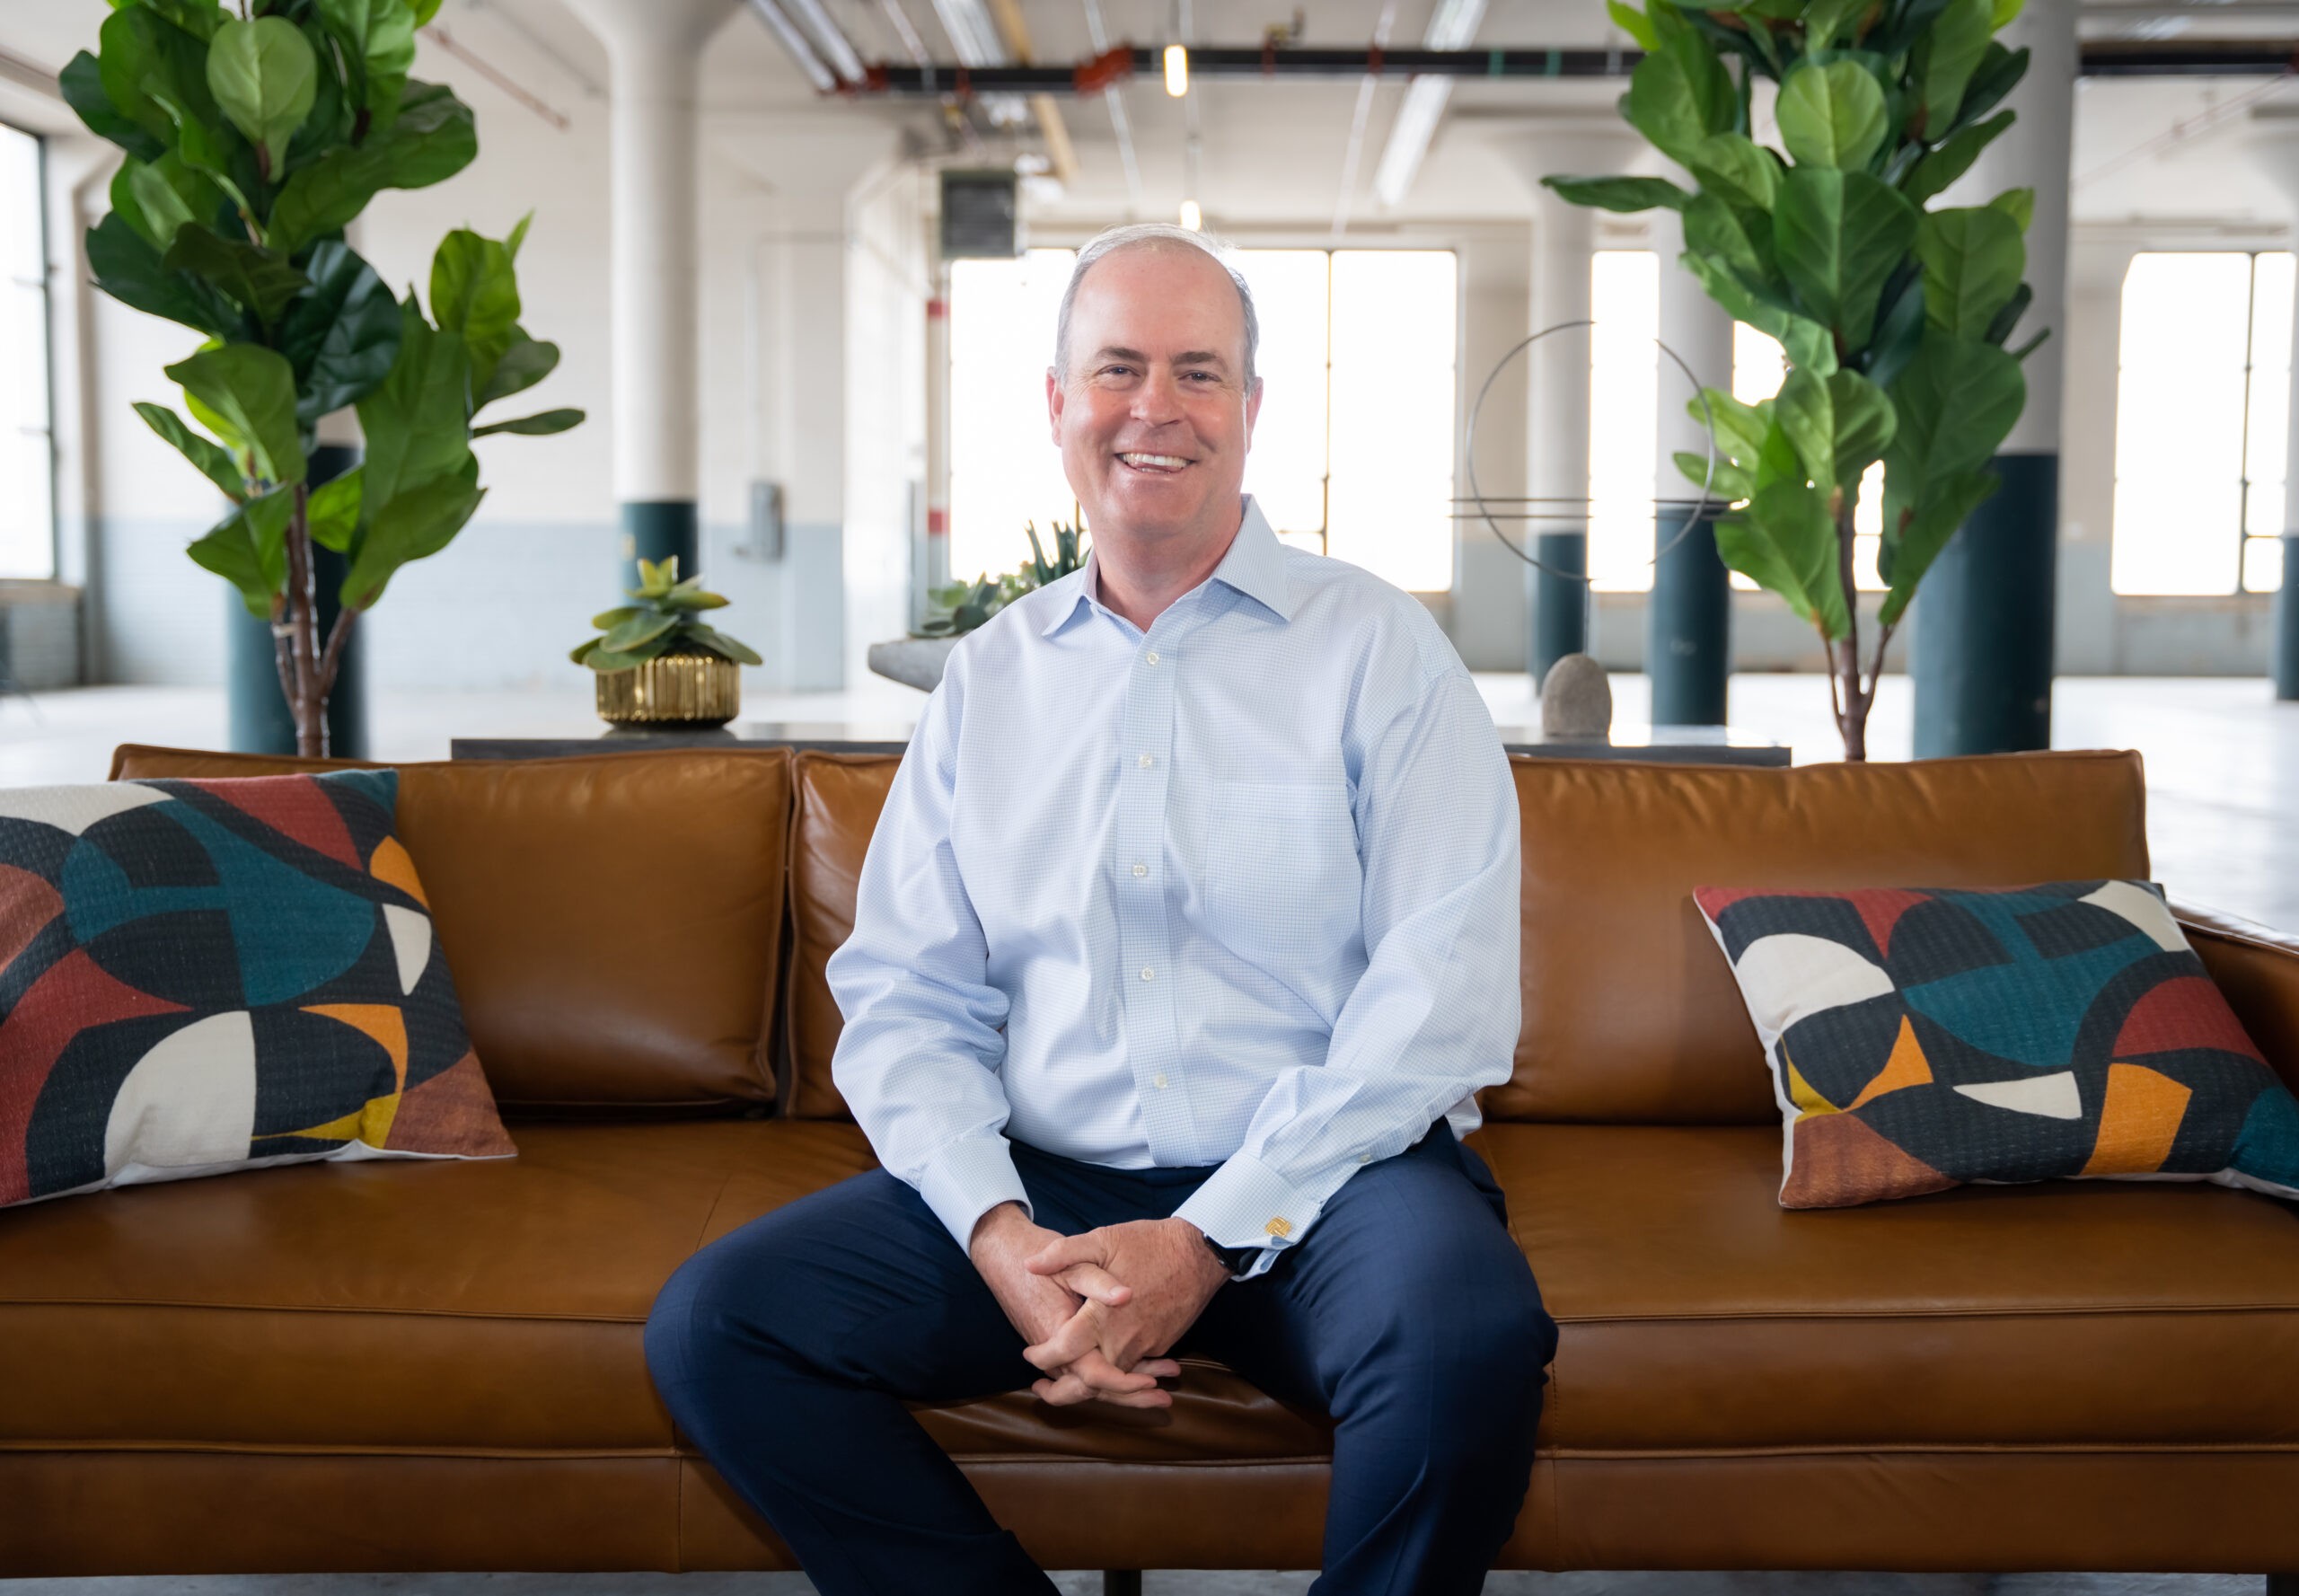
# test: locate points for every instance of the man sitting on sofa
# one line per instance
(1187, 935)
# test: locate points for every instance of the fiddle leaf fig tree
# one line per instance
(253, 137)
(1893, 314)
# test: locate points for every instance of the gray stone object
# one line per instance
(914, 662)
(1577, 701)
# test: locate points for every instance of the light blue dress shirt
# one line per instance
(1240, 891)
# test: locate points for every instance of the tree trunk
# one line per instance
(307, 691)
(1853, 700)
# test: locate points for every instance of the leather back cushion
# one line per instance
(1630, 1013)
(614, 921)
(836, 801)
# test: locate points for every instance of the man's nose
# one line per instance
(1159, 399)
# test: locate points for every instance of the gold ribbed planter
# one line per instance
(677, 690)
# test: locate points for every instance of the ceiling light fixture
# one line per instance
(1192, 218)
(1177, 70)
(843, 60)
(779, 24)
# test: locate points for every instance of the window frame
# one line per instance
(44, 285)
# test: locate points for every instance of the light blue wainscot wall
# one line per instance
(497, 609)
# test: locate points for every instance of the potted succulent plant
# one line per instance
(657, 663)
(957, 608)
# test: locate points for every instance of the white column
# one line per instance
(654, 52)
(1700, 332)
(1982, 656)
(1564, 238)
(2035, 152)
(2275, 149)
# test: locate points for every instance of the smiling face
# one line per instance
(1155, 417)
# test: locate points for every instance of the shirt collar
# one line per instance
(1255, 566)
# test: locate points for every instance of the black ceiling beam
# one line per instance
(2153, 58)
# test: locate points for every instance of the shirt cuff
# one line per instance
(965, 1179)
(1244, 1202)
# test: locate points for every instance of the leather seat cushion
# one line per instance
(459, 1306)
(1697, 1314)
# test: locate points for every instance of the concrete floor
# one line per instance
(2222, 762)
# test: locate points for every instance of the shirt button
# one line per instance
(1151, 657)
(1145, 761)
(1158, 1082)
(1140, 869)
(1364, 1158)
(1147, 973)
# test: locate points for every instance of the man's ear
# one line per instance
(1253, 411)
(1053, 398)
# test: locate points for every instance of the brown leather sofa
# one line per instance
(431, 1367)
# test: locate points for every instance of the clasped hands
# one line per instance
(1099, 1311)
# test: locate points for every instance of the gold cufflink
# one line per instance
(1277, 1226)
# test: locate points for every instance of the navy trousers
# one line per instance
(787, 1349)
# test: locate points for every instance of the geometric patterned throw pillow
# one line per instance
(1922, 1038)
(200, 976)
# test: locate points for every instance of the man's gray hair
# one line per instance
(1145, 236)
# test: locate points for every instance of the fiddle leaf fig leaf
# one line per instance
(1838, 236)
(416, 423)
(1972, 260)
(1785, 541)
(475, 294)
(341, 337)
(1942, 166)
(1625, 194)
(525, 363)
(2019, 204)
(1956, 402)
(259, 281)
(1902, 558)
(216, 463)
(414, 524)
(1635, 23)
(1952, 52)
(83, 85)
(263, 77)
(1678, 95)
(431, 139)
(332, 511)
(249, 549)
(252, 391)
(1738, 169)
(542, 424)
(1832, 116)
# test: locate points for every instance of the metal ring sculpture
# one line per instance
(1477, 494)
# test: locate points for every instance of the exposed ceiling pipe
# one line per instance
(972, 33)
(31, 75)
(899, 21)
(1453, 26)
(439, 36)
(2100, 57)
(778, 23)
(1015, 34)
(1113, 99)
(591, 86)
(1353, 151)
(826, 34)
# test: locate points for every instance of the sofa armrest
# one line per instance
(2258, 969)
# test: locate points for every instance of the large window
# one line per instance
(1354, 451)
(27, 455)
(2201, 402)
